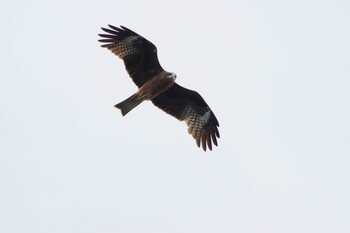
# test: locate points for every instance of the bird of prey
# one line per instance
(159, 86)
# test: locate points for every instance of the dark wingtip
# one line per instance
(214, 140)
(217, 132)
(208, 136)
(114, 27)
(106, 40)
(107, 36)
(204, 142)
(124, 28)
(198, 142)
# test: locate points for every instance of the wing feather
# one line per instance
(139, 54)
(113, 32)
(106, 36)
(187, 105)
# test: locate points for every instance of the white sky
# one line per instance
(276, 74)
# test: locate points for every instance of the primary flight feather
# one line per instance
(156, 84)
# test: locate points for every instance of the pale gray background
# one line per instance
(276, 74)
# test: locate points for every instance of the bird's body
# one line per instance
(152, 88)
(156, 84)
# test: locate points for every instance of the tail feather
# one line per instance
(128, 104)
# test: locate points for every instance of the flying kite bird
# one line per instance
(156, 84)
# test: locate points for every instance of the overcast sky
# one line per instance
(276, 74)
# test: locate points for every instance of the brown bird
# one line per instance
(156, 84)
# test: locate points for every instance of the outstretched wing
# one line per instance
(139, 55)
(189, 106)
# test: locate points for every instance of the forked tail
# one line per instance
(128, 104)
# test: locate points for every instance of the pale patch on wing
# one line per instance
(124, 47)
(195, 121)
(198, 126)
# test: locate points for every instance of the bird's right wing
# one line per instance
(139, 54)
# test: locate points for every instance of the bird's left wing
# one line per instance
(189, 106)
(139, 54)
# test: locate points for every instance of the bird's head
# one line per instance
(172, 76)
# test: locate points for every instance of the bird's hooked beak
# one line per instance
(172, 76)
